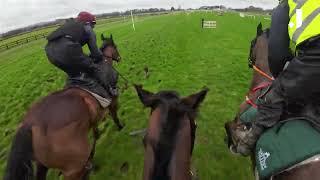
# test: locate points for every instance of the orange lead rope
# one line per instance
(261, 86)
(263, 73)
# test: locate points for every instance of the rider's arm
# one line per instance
(113, 84)
(279, 41)
(92, 44)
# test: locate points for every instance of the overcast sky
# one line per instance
(20, 13)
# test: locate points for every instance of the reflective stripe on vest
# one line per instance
(304, 20)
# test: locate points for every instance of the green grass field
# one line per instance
(180, 56)
(27, 34)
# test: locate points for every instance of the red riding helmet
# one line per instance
(87, 17)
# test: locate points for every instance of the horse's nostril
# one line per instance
(233, 150)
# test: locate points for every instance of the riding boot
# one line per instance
(247, 139)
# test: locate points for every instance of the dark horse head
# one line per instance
(109, 49)
(258, 60)
(171, 133)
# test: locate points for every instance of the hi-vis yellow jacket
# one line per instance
(304, 20)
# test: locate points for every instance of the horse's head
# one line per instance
(109, 49)
(258, 60)
(171, 133)
(259, 49)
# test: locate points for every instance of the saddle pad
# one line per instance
(104, 102)
(285, 145)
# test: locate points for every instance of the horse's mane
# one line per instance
(173, 112)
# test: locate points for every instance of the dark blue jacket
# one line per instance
(279, 41)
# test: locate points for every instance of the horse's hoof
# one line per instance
(98, 135)
(89, 166)
(120, 127)
(124, 167)
(95, 168)
(194, 173)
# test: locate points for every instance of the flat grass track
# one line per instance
(180, 56)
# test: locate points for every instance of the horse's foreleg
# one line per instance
(80, 174)
(87, 172)
(41, 172)
(113, 109)
(74, 176)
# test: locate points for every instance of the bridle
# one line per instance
(114, 59)
(263, 85)
(252, 63)
(110, 57)
(255, 90)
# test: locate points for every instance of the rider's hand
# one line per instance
(113, 91)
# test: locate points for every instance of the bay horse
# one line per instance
(54, 131)
(170, 135)
(258, 60)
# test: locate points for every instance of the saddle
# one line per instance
(89, 84)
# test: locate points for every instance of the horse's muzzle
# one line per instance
(228, 138)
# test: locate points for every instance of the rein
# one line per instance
(254, 90)
(110, 58)
(124, 78)
(260, 86)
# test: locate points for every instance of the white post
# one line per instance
(132, 22)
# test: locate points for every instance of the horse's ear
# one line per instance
(111, 37)
(259, 29)
(194, 100)
(102, 37)
(146, 97)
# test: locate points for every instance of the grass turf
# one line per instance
(180, 56)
